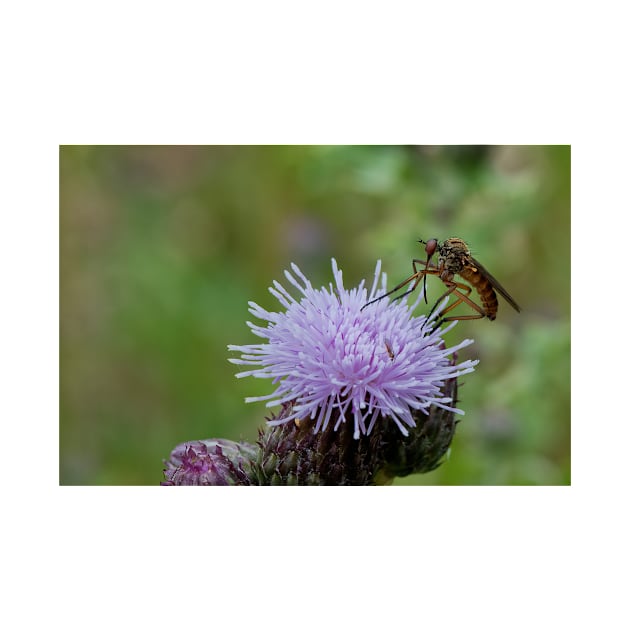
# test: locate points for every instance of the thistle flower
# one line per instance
(335, 363)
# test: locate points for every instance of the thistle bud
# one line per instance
(210, 463)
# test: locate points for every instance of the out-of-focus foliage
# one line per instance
(162, 247)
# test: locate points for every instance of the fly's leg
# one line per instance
(416, 277)
(461, 292)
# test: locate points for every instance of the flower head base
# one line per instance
(334, 362)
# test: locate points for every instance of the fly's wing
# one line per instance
(496, 285)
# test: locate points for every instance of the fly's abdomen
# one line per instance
(484, 288)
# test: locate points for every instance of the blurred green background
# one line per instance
(163, 246)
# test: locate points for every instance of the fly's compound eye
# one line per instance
(430, 247)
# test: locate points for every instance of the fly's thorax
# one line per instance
(454, 254)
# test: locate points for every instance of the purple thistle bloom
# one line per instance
(330, 359)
